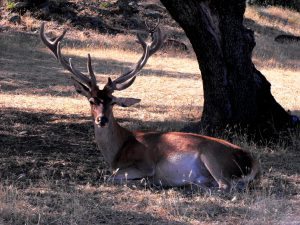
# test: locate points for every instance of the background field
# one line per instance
(51, 171)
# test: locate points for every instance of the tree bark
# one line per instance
(236, 94)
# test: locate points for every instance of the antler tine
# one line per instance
(112, 86)
(52, 45)
(142, 61)
(55, 47)
(91, 72)
(126, 79)
(70, 67)
(129, 73)
(152, 30)
(157, 41)
(156, 36)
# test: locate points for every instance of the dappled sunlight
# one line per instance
(51, 170)
(270, 54)
(285, 87)
(35, 103)
(267, 23)
(120, 60)
(276, 17)
(90, 202)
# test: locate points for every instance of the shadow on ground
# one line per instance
(270, 54)
(39, 149)
(39, 145)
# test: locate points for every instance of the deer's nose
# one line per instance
(102, 121)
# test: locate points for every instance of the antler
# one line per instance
(55, 47)
(126, 79)
(123, 81)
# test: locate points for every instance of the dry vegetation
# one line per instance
(51, 172)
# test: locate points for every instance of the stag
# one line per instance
(167, 159)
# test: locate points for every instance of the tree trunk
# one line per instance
(235, 92)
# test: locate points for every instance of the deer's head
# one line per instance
(103, 100)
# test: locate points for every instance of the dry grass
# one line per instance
(51, 172)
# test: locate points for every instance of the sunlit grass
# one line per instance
(51, 172)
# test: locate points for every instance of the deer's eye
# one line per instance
(92, 101)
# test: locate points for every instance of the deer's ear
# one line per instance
(126, 102)
(81, 89)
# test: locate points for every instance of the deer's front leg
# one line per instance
(134, 163)
(129, 173)
(134, 172)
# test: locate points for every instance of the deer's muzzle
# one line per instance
(101, 120)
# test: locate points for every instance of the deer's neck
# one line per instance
(111, 139)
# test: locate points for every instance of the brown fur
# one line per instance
(224, 161)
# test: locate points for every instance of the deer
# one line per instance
(167, 159)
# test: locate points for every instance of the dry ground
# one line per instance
(51, 172)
